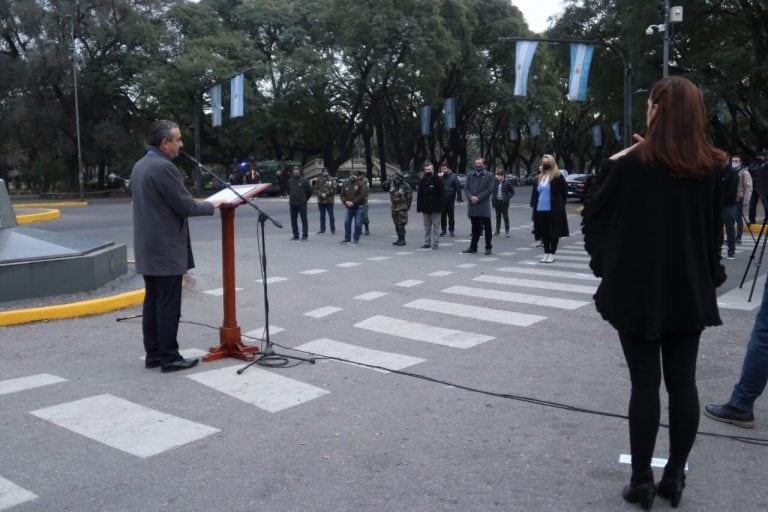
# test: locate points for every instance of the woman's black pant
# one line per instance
(674, 355)
(542, 224)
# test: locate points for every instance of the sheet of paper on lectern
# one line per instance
(247, 191)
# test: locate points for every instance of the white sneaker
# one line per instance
(544, 259)
(551, 258)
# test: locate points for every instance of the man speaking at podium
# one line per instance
(161, 244)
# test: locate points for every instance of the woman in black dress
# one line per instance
(652, 227)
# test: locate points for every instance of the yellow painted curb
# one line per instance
(31, 218)
(51, 204)
(74, 309)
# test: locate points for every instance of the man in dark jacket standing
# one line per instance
(162, 247)
(451, 194)
(354, 196)
(429, 202)
(299, 192)
(479, 190)
(729, 186)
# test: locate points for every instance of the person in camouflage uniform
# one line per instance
(325, 189)
(400, 197)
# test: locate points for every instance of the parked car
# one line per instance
(577, 186)
(529, 179)
(513, 179)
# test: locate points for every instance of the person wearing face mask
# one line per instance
(299, 192)
(479, 189)
(429, 202)
(325, 188)
(548, 196)
(743, 194)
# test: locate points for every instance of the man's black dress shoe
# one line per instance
(469, 251)
(179, 364)
(151, 362)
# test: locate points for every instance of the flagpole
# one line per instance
(627, 74)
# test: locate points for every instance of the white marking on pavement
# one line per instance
(556, 263)
(655, 462)
(737, 298)
(489, 259)
(507, 253)
(124, 425)
(12, 495)
(404, 253)
(218, 292)
(264, 389)
(467, 265)
(550, 273)
(29, 382)
(371, 295)
(522, 298)
(568, 257)
(524, 249)
(441, 273)
(314, 271)
(574, 252)
(530, 283)
(348, 264)
(422, 332)
(259, 333)
(408, 283)
(475, 312)
(271, 280)
(321, 312)
(355, 354)
(378, 258)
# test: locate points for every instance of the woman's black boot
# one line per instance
(672, 485)
(640, 489)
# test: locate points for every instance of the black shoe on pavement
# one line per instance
(294, 238)
(426, 246)
(729, 414)
(471, 250)
(488, 252)
(151, 362)
(179, 364)
(304, 238)
(344, 242)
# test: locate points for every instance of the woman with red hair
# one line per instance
(652, 227)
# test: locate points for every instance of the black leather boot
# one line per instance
(672, 485)
(640, 489)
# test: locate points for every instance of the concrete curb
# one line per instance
(52, 204)
(72, 310)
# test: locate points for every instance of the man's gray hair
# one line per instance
(161, 129)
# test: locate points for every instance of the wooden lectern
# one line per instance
(231, 344)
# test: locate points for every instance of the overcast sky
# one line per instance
(536, 12)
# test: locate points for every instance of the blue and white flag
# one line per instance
(524, 52)
(616, 130)
(581, 59)
(215, 93)
(597, 135)
(426, 119)
(534, 126)
(449, 111)
(236, 98)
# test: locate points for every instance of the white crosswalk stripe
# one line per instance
(557, 263)
(550, 273)
(261, 388)
(476, 312)
(321, 312)
(522, 298)
(357, 354)
(532, 283)
(124, 425)
(12, 495)
(28, 382)
(422, 332)
(371, 295)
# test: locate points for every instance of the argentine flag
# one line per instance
(215, 93)
(523, 57)
(581, 59)
(236, 96)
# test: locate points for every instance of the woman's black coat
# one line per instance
(559, 194)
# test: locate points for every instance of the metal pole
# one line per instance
(666, 39)
(77, 111)
(198, 172)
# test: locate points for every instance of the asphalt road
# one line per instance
(86, 428)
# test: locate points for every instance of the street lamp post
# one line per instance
(77, 110)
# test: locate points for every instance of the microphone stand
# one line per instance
(268, 353)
